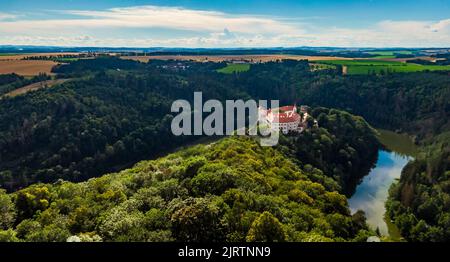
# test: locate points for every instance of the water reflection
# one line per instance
(372, 193)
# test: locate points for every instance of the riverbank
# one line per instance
(400, 143)
(372, 193)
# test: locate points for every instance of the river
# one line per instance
(372, 193)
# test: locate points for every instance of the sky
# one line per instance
(226, 23)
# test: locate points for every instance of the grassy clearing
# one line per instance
(234, 68)
(361, 67)
(317, 66)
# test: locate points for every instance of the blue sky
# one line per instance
(263, 23)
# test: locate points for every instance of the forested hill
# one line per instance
(234, 188)
(417, 103)
(344, 147)
(116, 112)
(106, 121)
(419, 203)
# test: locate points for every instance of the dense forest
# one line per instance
(419, 203)
(92, 126)
(416, 103)
(116, 112)
(10, 82)
(334, 147)
(234, 187)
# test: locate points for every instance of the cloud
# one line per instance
(6, 16)
(393, 34)
(157, 17)
(181, 27)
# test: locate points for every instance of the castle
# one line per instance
(286, 118)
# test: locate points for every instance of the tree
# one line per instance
(212, 179)
(198, 220)
(7, 210)
(266, 228)
(8, 236)
(32, 199)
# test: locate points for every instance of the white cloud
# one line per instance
(211, 29)
(394, 34)
(156, 17)
(6, 16)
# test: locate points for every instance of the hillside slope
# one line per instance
(231, 190)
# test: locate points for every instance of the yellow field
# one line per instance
(26, 67)
(21, 56)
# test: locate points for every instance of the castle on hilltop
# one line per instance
(286, 118)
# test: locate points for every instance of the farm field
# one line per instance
(402, 52)
(67, 60)
(361, 67)
(222, 58)
(7, 54)
(426, 58)
(35, 86)
(10, 56)
(26, 67)
(389, 54)
(234, 68)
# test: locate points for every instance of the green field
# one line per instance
(66, 60)
(363, 67)
(234, 68)
(384, 57)
(390, 53)
(7, 54)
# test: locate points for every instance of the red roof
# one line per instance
(286, 108)
(285, 118)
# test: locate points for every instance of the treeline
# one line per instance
(231, 190)
(9, 78)
(63, 57)
(85, 66)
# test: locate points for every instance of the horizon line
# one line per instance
(229, 48)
